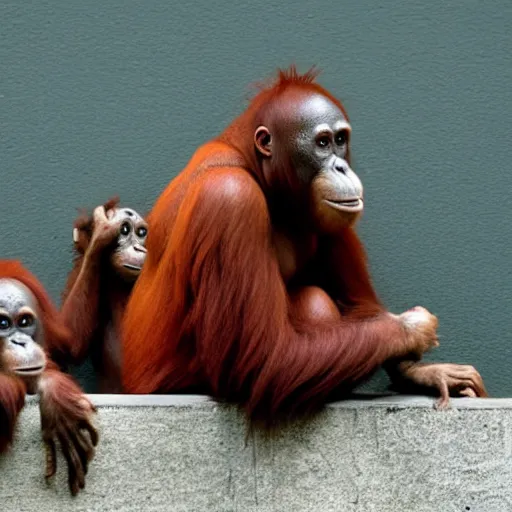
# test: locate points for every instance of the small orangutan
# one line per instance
(28, 319)
(256, 287)
(110, 252)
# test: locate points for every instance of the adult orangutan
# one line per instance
(110, 249)
(255, 288)
(27, 320)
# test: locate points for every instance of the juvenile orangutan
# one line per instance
(28, 319)
(110, 252)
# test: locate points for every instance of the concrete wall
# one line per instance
(178, 454)
(98, 98)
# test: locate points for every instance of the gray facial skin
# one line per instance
(321, 136)
(130, 254)
(19, 329)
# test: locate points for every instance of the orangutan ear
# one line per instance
(263, 141)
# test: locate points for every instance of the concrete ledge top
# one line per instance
(357, 402)
(181, 453)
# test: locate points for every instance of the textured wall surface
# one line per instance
(172, 454)
(98, 98)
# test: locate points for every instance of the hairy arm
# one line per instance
(81, 303)
(66, 416)
(12, 400)
(352, 287)
(80, 307)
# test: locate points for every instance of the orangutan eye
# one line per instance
(5, 322)
(25, 321)
(142, 232)
(341, 138)
(323, 141)
(125, 229)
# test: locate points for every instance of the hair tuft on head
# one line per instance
(286, 77)
(291, 76)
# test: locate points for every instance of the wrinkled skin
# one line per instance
(128, 230)
(20, 331)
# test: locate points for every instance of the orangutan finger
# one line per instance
(466, 373)
(51, 458)
(469, 392)
(75, 471)
(93, 432)
(444, 401)
(82, 449)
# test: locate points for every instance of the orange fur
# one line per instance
(65, 411)
(12, 389)
(83, 316)
(93, 303)
(210, 310)
(12, 401)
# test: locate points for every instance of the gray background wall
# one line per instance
(102, 98)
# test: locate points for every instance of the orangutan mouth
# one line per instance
(29, 370)
(133, 267)
(346, 205)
